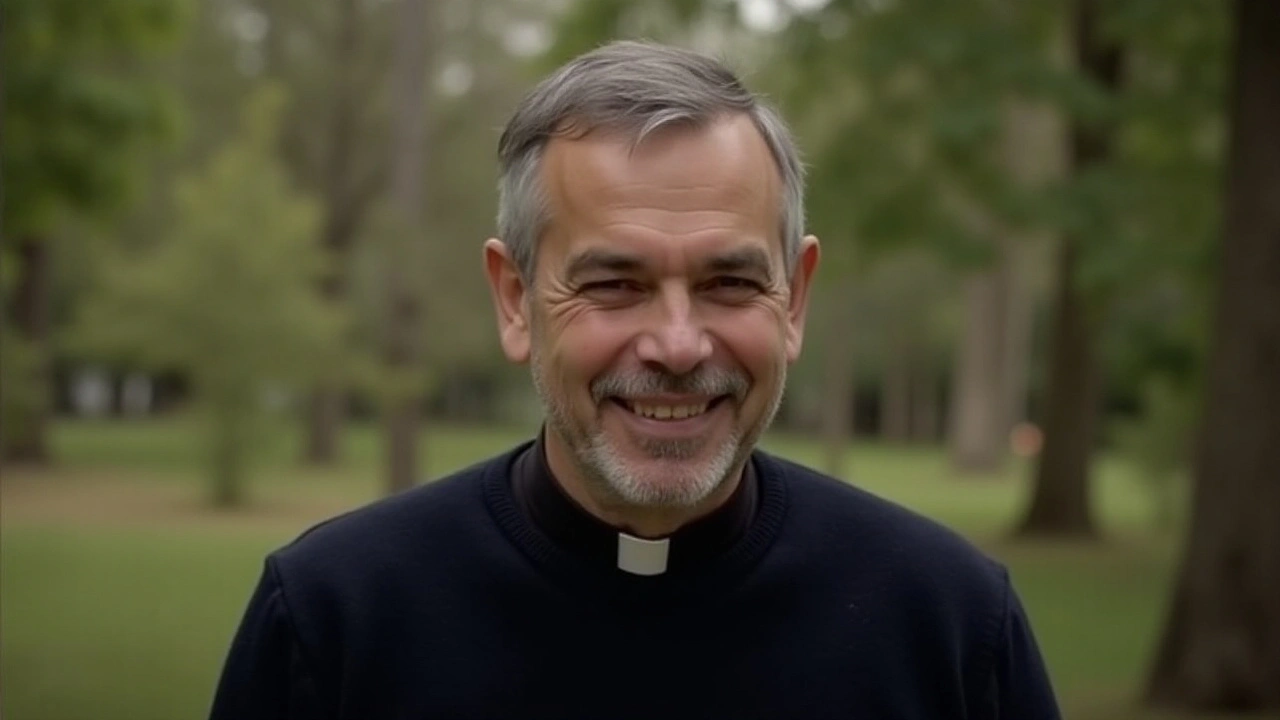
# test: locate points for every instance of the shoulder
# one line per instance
(855, 528)
(415, 523)
(904, 569)
(924, 585)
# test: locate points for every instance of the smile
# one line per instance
(667, 411)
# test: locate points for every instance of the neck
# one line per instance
(638, 520)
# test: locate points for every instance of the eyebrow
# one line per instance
(749, 260)
(596, 260)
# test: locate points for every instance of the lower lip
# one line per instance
(673, 429)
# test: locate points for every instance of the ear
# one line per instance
(798, 304)
(509, 301)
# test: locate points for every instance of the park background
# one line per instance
(242, 293)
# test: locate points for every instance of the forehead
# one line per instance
(683, 185)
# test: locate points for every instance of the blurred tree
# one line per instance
(925, 148)
(584, 25)
(81, 101)
(992, 361)
(835, 313)
(477, 73)
(1134, 212)
(1158, 316)
(1158, 443)
(926, 402)
(228, 299)
(481, 68)
(1060, 503)
(336, 58)
(345, 201)
(331, 56)
(895, 402)
(905, 330)
(1220, 650)
(402, 339)
(839, 379)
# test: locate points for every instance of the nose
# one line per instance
(676, 340)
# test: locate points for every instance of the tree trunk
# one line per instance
(326, 413)
(992, 369)
(327, 407)
(924, 403)
(838, 380)
(1020, 322)
(402, 352)
(228, 452)
(1034, 154)
(978, 419)
(896, 397)
(1220, 650)
(26, 441)
(1060, 503)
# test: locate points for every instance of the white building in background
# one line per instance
(92, 393)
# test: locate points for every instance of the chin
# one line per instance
(662, 481)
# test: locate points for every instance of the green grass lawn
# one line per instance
(120, 590)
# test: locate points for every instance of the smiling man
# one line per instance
(640, 557)
(660, 309)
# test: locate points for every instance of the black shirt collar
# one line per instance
(579, 532)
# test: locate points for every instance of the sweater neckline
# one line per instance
(542, 499)
(571, 566)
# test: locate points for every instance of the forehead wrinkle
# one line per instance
(732, 188)
(739, 204)
(678, 224)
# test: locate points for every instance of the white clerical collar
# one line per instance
(639, 556)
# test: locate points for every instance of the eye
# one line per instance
(733, 288)
(734, 282)
(609, 285)
(612, 290)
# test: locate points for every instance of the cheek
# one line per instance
(756, 340)
(582, 349)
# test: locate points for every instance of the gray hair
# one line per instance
(633, 88)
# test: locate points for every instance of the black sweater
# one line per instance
(450, 601)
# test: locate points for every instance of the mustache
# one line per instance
(703, 381)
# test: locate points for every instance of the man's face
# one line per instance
(660, 321)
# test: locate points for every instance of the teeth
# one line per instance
(668, 412)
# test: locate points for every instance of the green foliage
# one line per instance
(17, 360)
(1153, 210)
(901, 104)
(1159, 444)
(22, 399)
(81, 97)
(1159, 200)
(905, 312)
(229, 299)
(586, 25)
(916, 144)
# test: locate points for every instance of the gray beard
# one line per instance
(614, 479)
